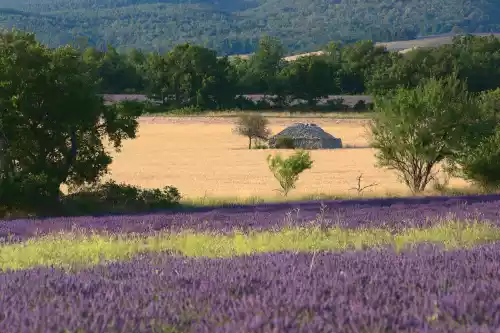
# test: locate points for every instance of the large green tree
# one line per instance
(310, 78)
(411, 69)
(157, 85)
(191, 75)
(358, 61)
(477, 157)
(245, 80)
(474, 60)
(415, 129)
(53, 122)
(478, 61)
(266, 64)
(332, 54)
(117, 73)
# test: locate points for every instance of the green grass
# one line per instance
(72, 251)
(216, 202)
(208, 201)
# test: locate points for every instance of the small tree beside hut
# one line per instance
(253, 126)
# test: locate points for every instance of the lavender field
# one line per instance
(422, 289)
(394, 213)
(426, 290)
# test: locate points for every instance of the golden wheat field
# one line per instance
(202, 157)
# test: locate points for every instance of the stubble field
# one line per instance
(203, 157)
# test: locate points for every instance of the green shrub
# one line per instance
(244, 103)
(481, 164)
(113, 198)
(476, 157)
(152, 108)
(285, 142)
(187, 110)
(360, 105)
(287, 171)
(260, 145)
(263, 104)
(30, 194)
(337, 104)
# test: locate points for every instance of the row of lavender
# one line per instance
(426, 290)
(391, 213)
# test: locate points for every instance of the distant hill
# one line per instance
(404, 45)
(234, 26)
(399, 46)
(429, 41)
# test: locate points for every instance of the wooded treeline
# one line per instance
(193, 76)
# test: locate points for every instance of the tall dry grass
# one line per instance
(202, 157)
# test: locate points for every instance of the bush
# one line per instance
(187, 110)
(481, 164)
(259, 145)
(152, 108)
(113, 198)
(360, 105)
(29, 194)
(477, 158)
(337, 104)
(263, 104)
(285, 142)
(287, 171)
(244, 103)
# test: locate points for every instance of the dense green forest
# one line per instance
(195, 77)
(235, 26)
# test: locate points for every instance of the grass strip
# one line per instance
(72, 251)
(208, 201)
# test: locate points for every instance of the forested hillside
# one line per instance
(234, 26)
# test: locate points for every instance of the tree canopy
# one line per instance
(415, 129)
(53, 122)
(193, 75)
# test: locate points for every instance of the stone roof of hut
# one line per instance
(305, 131)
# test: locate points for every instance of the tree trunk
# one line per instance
(2, 156)
(249, 142)
(53, 188)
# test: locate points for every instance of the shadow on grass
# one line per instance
(250, 204)
(203, 204)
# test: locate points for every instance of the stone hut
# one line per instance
(308, 136)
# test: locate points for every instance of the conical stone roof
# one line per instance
(305, 131)
(308, 136)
